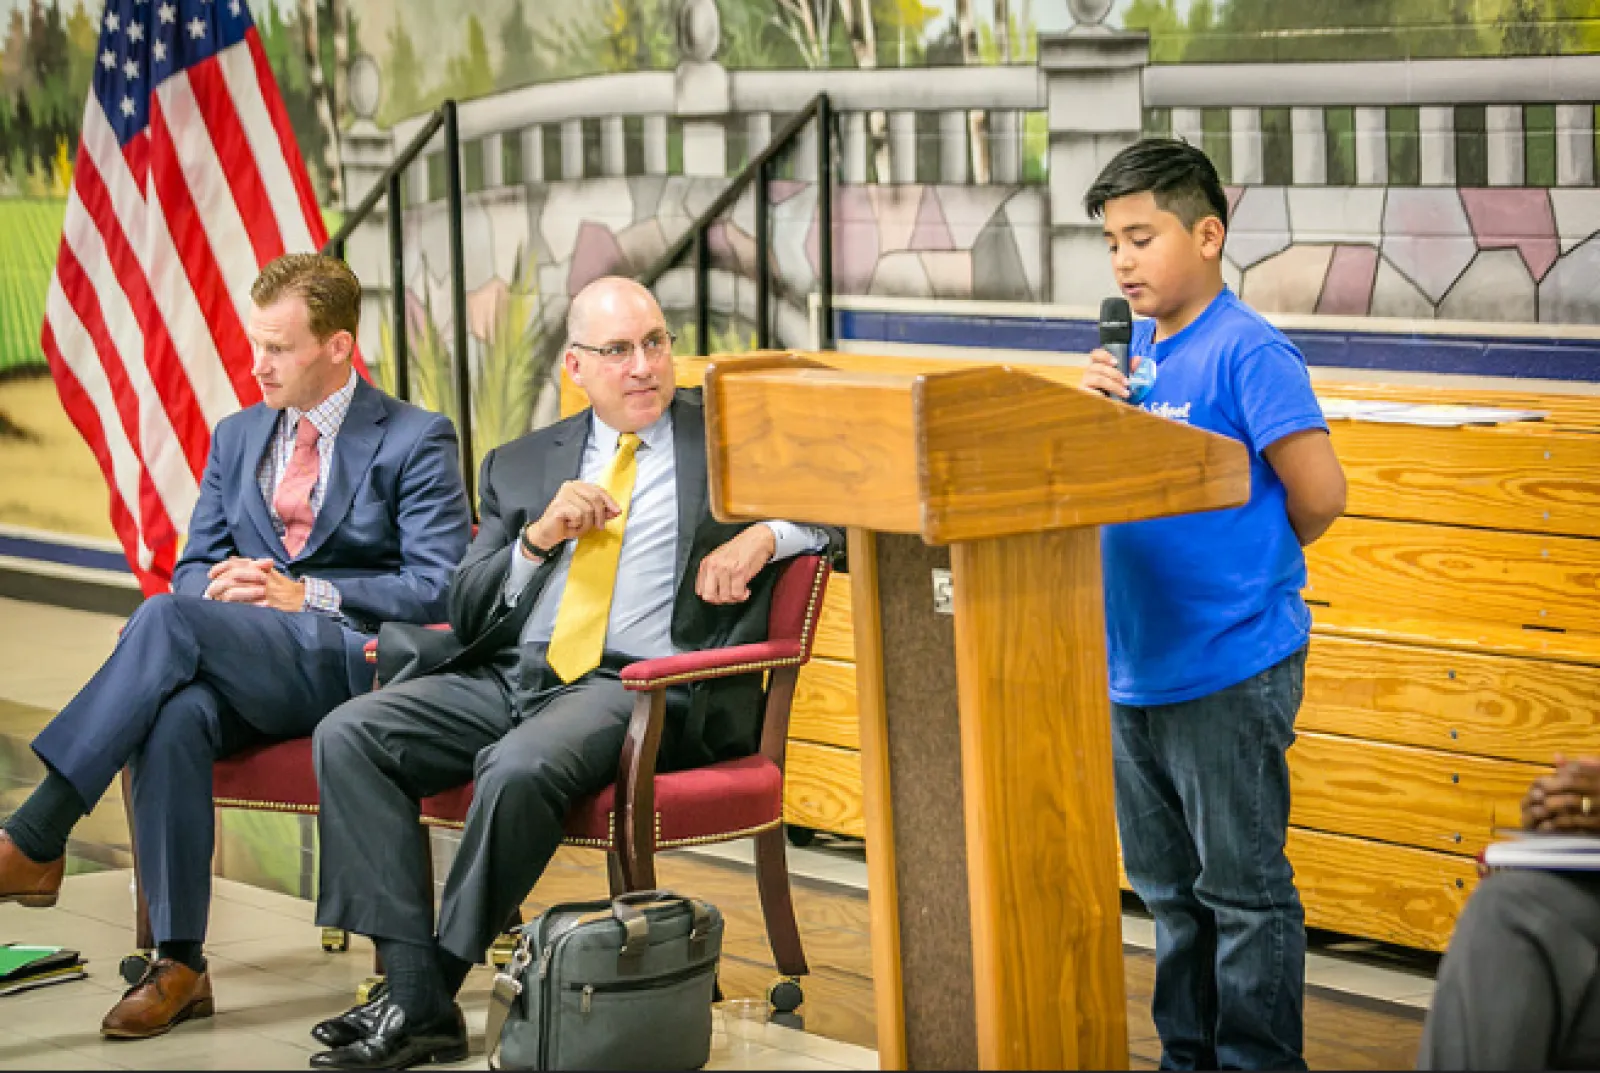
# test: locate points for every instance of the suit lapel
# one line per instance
(566, 457)
(353, 448)
(258, 433)
(689, 446)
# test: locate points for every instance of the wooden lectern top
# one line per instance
(954, 456)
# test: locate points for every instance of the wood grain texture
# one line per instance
(825, 709)
(836, 638)
(1005, 452)
(873, 732)
(1402, 794)
(822, 788)
(1041, 829)
(1499, 477)
(1457, 635)
(1460, 702)
(1442, 573)
(1395, 894)
(811, 444)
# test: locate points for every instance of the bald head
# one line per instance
(604, 301)
(620, 353)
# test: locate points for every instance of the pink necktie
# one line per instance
(292, 501)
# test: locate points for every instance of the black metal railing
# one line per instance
(388, 189)
(759, 172)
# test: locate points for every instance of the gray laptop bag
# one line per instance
(622, 984)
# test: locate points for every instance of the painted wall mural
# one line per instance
(1351, 204)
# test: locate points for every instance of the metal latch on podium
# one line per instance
(944, 592)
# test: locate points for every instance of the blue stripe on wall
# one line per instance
(66, 554)
(1549, 359)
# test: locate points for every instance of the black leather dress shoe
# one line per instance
(353, 1024)
(393, 1044)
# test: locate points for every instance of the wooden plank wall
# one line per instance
(1456, 650)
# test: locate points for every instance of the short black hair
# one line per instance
(1182, 178)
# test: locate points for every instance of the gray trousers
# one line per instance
(1520, 985)
(532, 751)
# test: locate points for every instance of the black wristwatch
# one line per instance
(530, 548)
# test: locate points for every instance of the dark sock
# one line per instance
(42, 824)
(414, 980)
(184, 953)
(453, 971)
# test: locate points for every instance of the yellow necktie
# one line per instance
(580, 630)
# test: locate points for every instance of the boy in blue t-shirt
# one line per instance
(1206, 627)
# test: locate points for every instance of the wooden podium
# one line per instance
(972, 498)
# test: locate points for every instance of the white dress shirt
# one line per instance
(641, 604)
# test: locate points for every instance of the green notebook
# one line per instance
(19, 962)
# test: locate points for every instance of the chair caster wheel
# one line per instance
(370, 988)
(503, 948)
(335, 940)
(132, 967)
(799, 837)
(785, 996)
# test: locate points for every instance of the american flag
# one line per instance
(187, 181)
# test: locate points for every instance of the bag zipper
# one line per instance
(588, 991)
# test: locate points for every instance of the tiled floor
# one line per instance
(273, 982)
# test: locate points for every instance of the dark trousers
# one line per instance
(190, 681)
(1519, 987)
(532, 745)
(1203, 809)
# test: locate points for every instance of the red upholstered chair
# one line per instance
(733, 799)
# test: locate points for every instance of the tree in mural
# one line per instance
(1270, 30)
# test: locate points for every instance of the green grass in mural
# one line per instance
(30, 231)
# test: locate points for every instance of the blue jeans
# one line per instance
(1203, 809)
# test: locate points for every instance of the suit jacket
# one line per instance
(722, 718)
(394, 521)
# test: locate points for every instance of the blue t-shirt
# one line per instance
(1200, 602)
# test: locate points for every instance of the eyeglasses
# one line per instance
(656, 346)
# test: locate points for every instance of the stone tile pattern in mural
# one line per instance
(1513, 255)
(915, 241)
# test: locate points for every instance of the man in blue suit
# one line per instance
(324, 510)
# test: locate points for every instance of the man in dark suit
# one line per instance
(325, 510)
(596, 548)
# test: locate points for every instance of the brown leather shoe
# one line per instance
(25, 880)
(168, 994)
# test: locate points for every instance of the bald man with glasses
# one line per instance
(596, 549)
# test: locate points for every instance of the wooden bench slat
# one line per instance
(1394, 894)
(1445, 573)
(1493, 478)
(824, 709)
(822, 789)
(1403, 794)
(836, 638)
(1569, 409)
(1459, 702)
(1458, 636)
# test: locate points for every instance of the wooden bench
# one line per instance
(1456, 649)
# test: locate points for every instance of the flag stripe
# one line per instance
(193, 246)
(168, 375)
(152, 243)
(210, 97)
(151, 431)
(209, 183)
(238, 71)
(311, 212)
(80, 294)
(92, 418)
(80, 408)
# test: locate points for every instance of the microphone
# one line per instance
(1116, 330)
